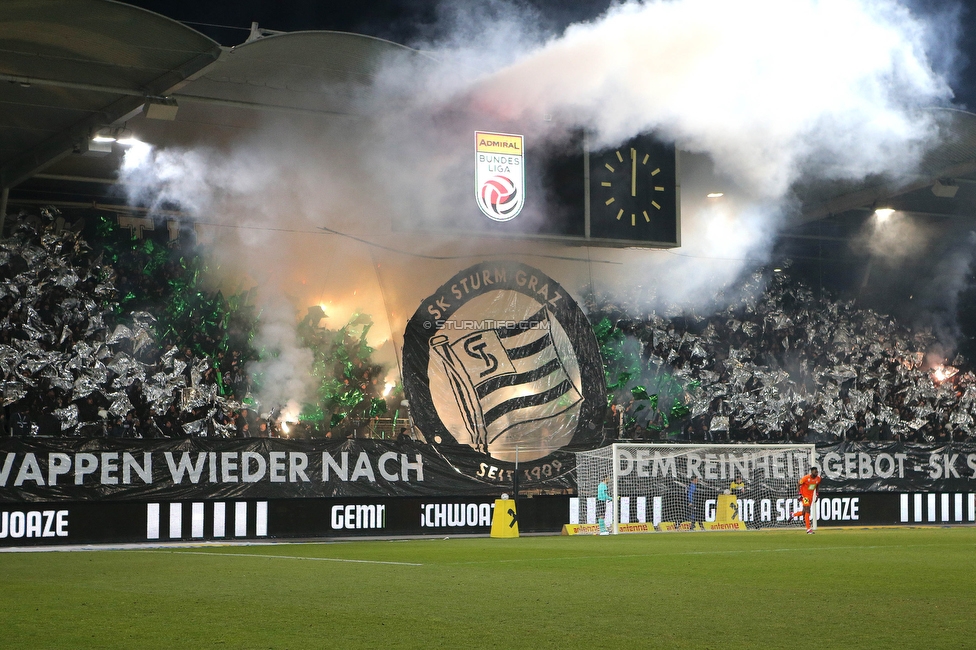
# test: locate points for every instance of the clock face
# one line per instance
(633, 192)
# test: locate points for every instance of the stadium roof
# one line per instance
(952, 162)
(73, 68)
(76, 68)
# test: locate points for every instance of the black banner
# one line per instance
(28, 524)
(858, 509)
(55, 469)
(101, 469)
(240, 519)
(897, 467)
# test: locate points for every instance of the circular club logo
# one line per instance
(499, 198)
(501, 363)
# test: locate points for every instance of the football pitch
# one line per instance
(876, 588)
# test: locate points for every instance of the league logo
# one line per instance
(499, 179)
(500, 363)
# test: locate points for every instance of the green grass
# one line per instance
(882, 588)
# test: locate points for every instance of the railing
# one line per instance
(378, 428)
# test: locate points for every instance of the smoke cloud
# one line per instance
(283, 371)
(767, 89)
(757, 94)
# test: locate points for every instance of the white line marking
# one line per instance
(286, 557)
(731, 552)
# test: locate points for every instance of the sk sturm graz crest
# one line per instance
(501, 359)
(499, 178)
(507, 376)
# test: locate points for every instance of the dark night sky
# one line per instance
(410, 21)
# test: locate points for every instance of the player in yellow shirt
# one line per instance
(737, 486)
(809, 485)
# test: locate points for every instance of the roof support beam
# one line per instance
(75, 138)
(128, 103)
(236, 103)
(58, 83)
(77, 179)
(867, 197)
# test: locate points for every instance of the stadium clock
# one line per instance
(634, 193)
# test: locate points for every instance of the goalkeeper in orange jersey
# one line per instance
(809, 485)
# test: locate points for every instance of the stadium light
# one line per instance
(126, 138)
(160, 108)
(945, 189)
(103, 139)
(100, 144)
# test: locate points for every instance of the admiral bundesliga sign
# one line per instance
(501, 362)
(499, 178)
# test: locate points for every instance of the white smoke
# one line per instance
(766, 88)
(768, 92)
(762, 93)
(894, 240)
(941, 300)
(285, 366)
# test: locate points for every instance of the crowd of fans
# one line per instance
(121, 339)
(74, 364)
(780, 365)
(776, 365)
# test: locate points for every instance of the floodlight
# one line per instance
(161, 108)
(945, 190)
(127, 138)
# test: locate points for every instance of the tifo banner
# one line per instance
(501, 366)
(196, 468)
(897, 467)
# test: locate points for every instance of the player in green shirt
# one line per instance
(602, 497)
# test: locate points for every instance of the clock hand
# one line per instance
(633, 171)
